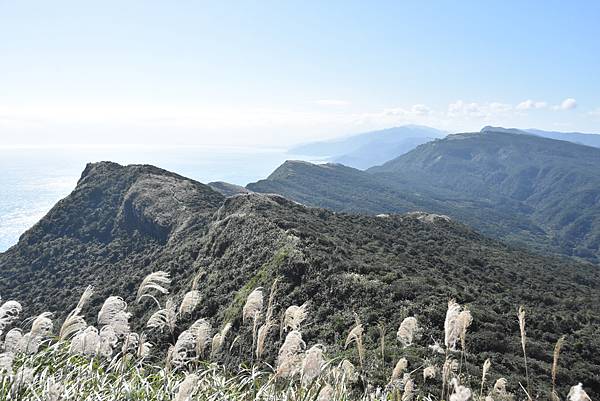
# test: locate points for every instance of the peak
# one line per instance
(113, 201)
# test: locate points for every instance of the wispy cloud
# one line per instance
(332, 102)
(531, 105)
(461, 108)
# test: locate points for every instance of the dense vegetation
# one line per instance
(103, 359)
(520, 188)
(123, 222)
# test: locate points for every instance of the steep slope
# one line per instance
(556, 183)
(521, 188)
(107, 233)
(371, 148)
(122, 222)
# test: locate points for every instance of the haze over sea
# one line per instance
(33, 180)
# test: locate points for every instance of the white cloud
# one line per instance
(417, 110)
(531, 105)
(567, 104)
(332, 102)
(595, 112)
(478, 110)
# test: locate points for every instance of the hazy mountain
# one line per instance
(371, 148)
(520, 188)
(122, 222)
(575, 137)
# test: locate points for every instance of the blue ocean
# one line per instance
(33, 180)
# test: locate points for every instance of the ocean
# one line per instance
(33, 180)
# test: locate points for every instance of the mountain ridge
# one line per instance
(403, 264)
(523, 189)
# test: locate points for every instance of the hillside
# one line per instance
(370, 148)
(520, 188)
(121, 223)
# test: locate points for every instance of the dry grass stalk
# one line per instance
(406, 331)
(190, 301)
(293, 317)
(555, 356)
(157, 281)
(356, 336)
(486, 367)
(521, 317)
(290, 355)
(451, 325)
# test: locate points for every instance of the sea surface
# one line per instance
(33, 180)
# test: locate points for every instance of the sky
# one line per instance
(277, 73)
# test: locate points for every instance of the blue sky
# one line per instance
(282, 72)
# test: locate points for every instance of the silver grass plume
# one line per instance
(190, 301)
(448, 369)
(451, 325)
(399, 369)
(187, 388)
(313, 363)
(326, 393)
(42, 326)
(290, 355)
(293, 317)
(349, 371)
(13, 341)
(53, 389)
(85, 342)
(114, 313)
(409, 388)
(261, 337)
(429, 372)
(461, 393)
(6, 362)
(486, 367)
(464, 321)
(269, 323)
(271, 304)
(500, 386)
(355, 336)
(85, 297)
(136, 343)
(164, 318)
(157, 281)
(381, 328)
(9, 312)
(577, 393)
(74, 322)
(144, 347)
(253, 306)
(406, 331)
(218, 339)
(202, 331)
(180, 353)
(521, 317)
(108, 341)
(555, 356)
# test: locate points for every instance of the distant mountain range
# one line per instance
(121, 223)
(575, 137)
(509, 184)
(371, 148)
